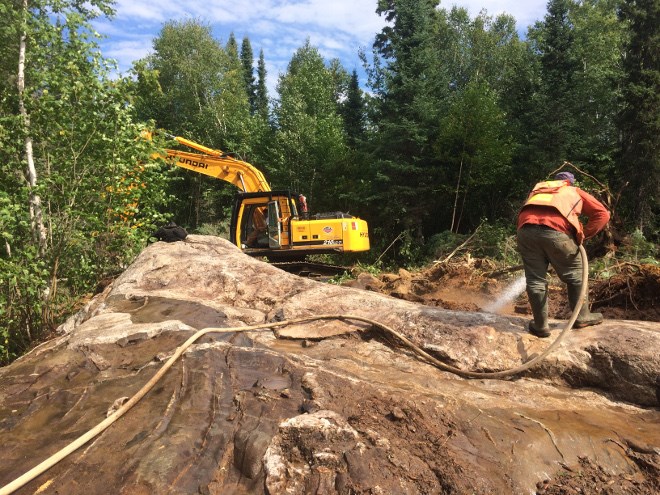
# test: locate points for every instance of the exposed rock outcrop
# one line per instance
(325, 406)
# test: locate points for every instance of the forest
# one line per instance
(457, 119)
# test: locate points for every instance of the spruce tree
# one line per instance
(407, 101)
(247, 60)
(353, 112)
(640, 117)
(557, 130)
(261, 95)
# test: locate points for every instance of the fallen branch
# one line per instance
(388, 247)
(578, 170)
(497, 273)
(458, 248)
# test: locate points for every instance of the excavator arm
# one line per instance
(218, 164)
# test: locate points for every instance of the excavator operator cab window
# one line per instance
(274, 225)
(256, 227)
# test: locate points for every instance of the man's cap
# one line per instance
(566, 176)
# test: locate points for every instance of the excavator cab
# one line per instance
(261, 221)
(256, 226)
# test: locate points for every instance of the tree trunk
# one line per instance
(36, 213)
(458, 186)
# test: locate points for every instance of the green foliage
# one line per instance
(218, 229)
(555, 40)
(640, 249)
(444, 140)
(579, 46)
(353, 111)
(476, 150)
(340, 279)
(410, 85)
(374, 269)
(443, 243)
(639, 119)
(261, 91)
(634, 251)
(22, 304)
(309, 141)
(599, 38)
(496, 241)
(247, 61)
(409, 250)
(194, 87)
(188, 64)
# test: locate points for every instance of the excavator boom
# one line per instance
(237, 172)
(218, 164)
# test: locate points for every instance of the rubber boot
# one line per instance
(539, 303)
(585, 318)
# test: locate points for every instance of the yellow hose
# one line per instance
(103, 425)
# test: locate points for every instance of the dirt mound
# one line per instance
(461, 286)
(588, 477)
(627, 291)
(631, 294)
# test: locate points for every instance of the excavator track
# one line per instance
(316, 271)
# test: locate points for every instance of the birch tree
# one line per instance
(36, 213)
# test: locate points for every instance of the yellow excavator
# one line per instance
(275, 224)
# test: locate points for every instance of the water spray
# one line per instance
(509, 295)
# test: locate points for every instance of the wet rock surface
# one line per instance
(323, 406)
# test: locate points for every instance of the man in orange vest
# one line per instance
(549, 232)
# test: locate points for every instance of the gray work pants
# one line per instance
(540, 246)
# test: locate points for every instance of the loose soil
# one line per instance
(630, 292)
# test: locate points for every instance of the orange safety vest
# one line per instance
(564, 198)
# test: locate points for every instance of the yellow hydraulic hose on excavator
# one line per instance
(83, 439)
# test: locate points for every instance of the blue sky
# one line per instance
(338, 28)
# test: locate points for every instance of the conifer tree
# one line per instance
(640, 117)
(232, 46)
(261, 95)
(353, 112)
(407, 101)
(554, 39)
(247, 60)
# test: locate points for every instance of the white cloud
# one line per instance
(136, 10)
(357, 18)
(339, 28)
(526, 12)
(125, 52)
